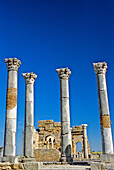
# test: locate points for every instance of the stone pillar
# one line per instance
(107, 144)
(29, 114)
(11, 107)
(1, 151)
(85, 145)
(66, 143)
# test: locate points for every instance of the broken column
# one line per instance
(29, 114)
(11, 107)
(64, 74)
(107, 144)
(85, 145)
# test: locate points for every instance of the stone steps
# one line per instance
(65, 167)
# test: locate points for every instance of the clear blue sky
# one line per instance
(50, 34)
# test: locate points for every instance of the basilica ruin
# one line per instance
(48, 139)
(56, 140)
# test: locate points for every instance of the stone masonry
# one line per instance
(48, 138)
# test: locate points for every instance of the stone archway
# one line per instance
(79, 150)
(50, 141)
(77, 136)
(75, 141)
(79, 147)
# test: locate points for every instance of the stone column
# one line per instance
(29, 114)
(107, 144)
(11, 107)
(85, 145)
(66, 143)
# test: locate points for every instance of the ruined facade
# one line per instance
(48, 138)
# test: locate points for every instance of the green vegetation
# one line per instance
(94, 152)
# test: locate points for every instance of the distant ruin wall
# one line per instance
(46, 155)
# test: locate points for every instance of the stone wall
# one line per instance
(48, 136)
(7, 166)
(46, 154)
(21, 166)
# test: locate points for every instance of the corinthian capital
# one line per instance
(84, 126)
(13, 64)
(100, 67)
(63, 73)
(29, 77)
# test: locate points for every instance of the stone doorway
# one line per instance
(79, 150)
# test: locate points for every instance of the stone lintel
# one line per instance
(63, 73)
(13, 64)
(100, 67)
(29, 77)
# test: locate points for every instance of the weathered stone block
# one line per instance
(46, 154)
(41, 121)
(33, 166)
(11, 159)
(48, 121)
(96, 166)
(57, 124)
(107, 158)
(14, 166)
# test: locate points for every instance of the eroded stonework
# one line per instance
(48, 137)
(11, 98)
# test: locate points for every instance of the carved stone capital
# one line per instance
(84, 126)
(63, 73)
(29, 77)
(100, 68)
(13, 64)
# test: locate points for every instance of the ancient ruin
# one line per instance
(53, 141)
(48, 139)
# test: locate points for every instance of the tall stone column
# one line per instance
(85, 140)
(11, 107)
(66, 143)
(107, 144)
(29, 114)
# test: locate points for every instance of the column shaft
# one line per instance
(29, 110)
(85, 146)
(65, 119)
(107, 144)
(65, 115)
(11, 108)
(29, 114)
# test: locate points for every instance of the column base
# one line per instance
(27, 159)
(66, 159)
(10, 159)
(86, 156)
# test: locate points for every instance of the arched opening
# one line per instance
(50, 141)
(50, 145)
(79, 147)
(79, 150)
